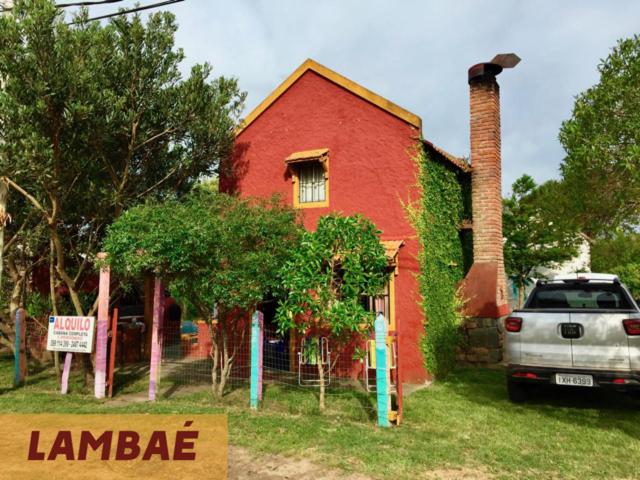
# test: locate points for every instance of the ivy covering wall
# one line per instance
(437, 216)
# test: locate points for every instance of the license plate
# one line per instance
(574, 380)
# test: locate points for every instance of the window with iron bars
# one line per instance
(312, 180)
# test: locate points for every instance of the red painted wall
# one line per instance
(370, 172)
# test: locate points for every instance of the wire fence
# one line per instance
(298, 373)
(186, 355)
(38, 367)
(38, 360)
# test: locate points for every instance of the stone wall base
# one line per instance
(482, 342)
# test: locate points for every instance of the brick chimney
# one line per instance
(485, 285)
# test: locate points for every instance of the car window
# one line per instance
(588, 296)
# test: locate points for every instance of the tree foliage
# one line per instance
(620, 255)
(534, 236)
(602, 140)
(96, 117)
(325, 279)
(213, 251)
(436, 216)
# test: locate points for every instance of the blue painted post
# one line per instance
(20, 358)
(256, 365)
(382, 371)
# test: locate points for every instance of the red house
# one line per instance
(327, 144)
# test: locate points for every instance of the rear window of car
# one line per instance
(586, 296)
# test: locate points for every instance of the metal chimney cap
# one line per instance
(506, 60)
(495, 66)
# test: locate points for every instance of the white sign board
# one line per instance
(71, 334)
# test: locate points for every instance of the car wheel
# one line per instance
(518, 392)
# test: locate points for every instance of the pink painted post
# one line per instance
(161, 327)
(103, 330)
(156, 347)
(112, 352)
(260, 352)
(64, 385)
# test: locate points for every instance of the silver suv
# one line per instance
(579, 330)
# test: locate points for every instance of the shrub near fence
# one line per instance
(282, 372)
(270, 370)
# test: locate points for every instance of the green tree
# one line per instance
(324, 281)
(25, 249)
(213, 250)
(620, 255)
(601, 171)
(96, 118)
(533, 236)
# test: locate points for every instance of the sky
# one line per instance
(416, 54)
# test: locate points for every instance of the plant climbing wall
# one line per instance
(437, 215)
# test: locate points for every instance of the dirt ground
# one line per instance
(244, 465)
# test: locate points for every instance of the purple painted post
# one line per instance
(103, 330)
(64, 385)
(260, 352)
(156, 347)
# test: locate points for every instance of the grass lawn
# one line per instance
(465, 423)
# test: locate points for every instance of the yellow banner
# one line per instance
(109, 446)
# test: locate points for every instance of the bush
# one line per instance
(619, 255)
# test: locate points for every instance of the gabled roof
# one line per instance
(356, 89)
(344, 82)
(459, 162)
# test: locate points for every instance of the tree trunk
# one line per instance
(15, 301)
(62, 272)
(215, 356)
(224, 377)
(320, 375)
(54, 304)
(520, 293)
(16, 295)
(225, 367)
(87, 364)
(4, 218)
(229, 352)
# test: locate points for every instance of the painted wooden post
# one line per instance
(161, 329)
(382, 371)
(156, 353)
(102, 336)
(148, 316)
(399, 392)
(260, 354)
(64, 383)
(20, 362)
(112, 351)
(257, 326)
